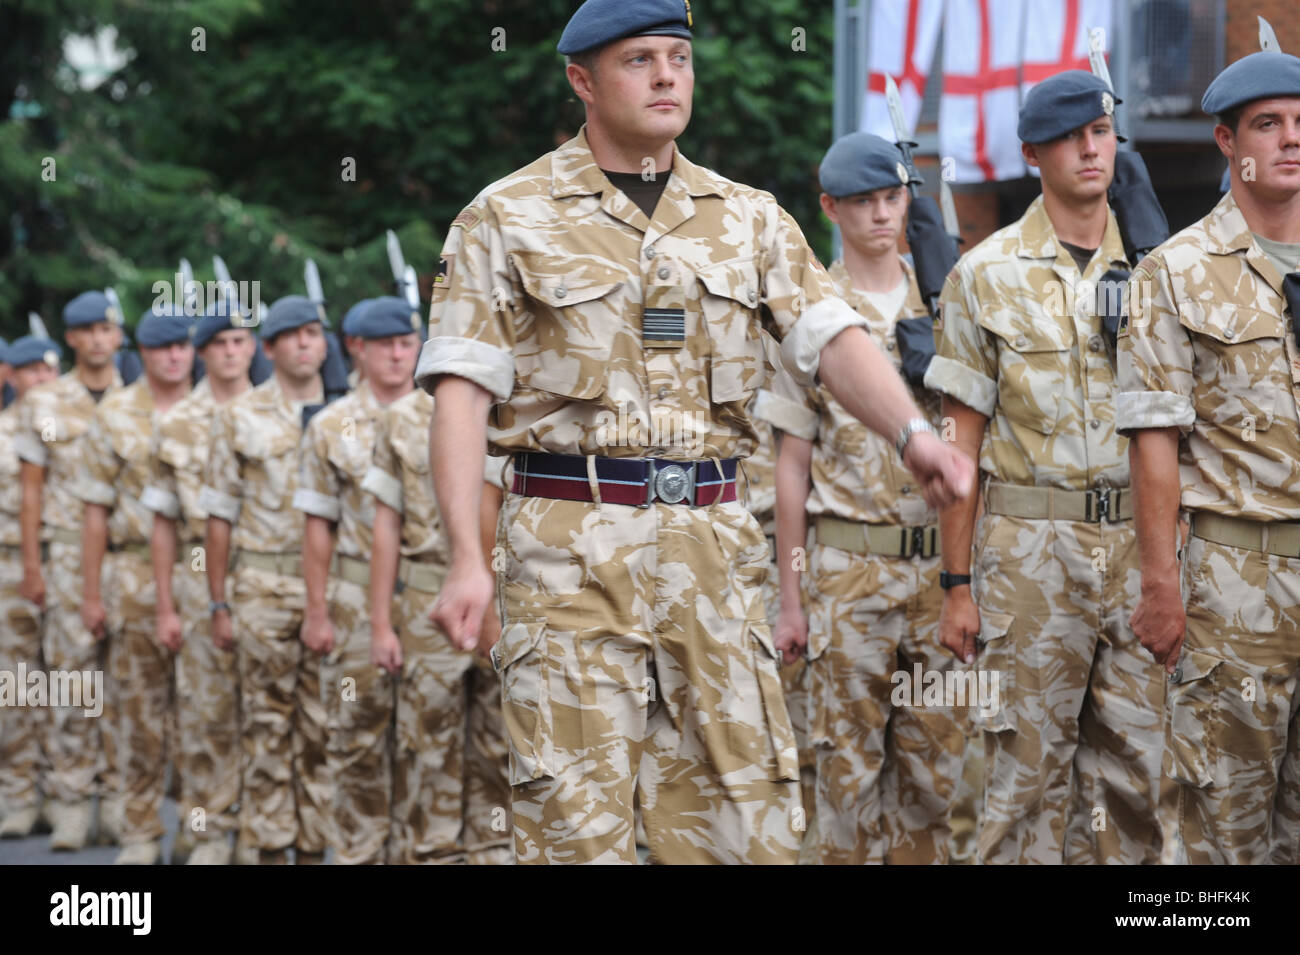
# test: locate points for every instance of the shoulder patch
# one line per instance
(467, 219)
(1148, 265)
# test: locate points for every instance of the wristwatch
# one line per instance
(915, 426)
(215, 605)
(948, 581)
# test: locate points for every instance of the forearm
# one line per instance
(162, 548)
(94, 543)
(29, 521)
(317, 550)
(217, 545)
(862, 379)
(384, 559)
(1153, 463)
(457, 448)
(792, 486)
(957, 521)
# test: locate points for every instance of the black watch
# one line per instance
(948, 581)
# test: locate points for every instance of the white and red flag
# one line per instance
(901, 40)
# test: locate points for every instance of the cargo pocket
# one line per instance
(785, 764)
(1033, 360)
(1194, 717)
(519, 657)
(1240, 374)
(996, 662)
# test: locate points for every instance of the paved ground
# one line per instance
(35, 850)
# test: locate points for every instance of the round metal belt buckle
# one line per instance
(671, 484)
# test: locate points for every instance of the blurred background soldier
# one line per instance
(1028, 375)
(116, 471)
(340, 517)
(248, 494)
(54, 418)
(352, 342)
(886, 775)
(24, 730)
(1209, 371)
(207, 678)
(451, 800)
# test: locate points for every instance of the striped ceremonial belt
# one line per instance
(636, 482)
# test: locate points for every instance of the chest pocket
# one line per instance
(737, 366)
(1033, 369)
(418, 502)
(349, 451)
(272, 459)
(566, 332)
(1241, 364)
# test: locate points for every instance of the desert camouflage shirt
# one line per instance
(11, 488)
(1021, 342)
(117, 464)
(182, 442)
(1209, 350)
(335, 456)
(600, 331)
(253, 470)
(855, 473)
(53, 419)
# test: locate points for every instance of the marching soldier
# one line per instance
(248, 495)
(207, 678)
(24, 731)
(116, 472)
(340, 516)
(1029, 383)
(635, 653)
(451, 799)
(886, 775)
(54, 418)
(1209, 369)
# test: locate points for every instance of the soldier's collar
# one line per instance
(574, 172)
(1038, 238)
(1225, 227)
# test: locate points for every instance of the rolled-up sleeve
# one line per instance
(1155, 356)
(471, 328)
(965, 363)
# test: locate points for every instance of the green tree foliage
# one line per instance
(235, 124)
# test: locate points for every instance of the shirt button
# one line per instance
(1094, 343)
(1022, 342)
(649, 251)
(561, 292)
(890, 345)
(662, 273)
(1094, 424)
(1229, 334)
(906, 489)
(662, 393)
(751, 295)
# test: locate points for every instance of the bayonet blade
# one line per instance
(189, 294)
(315, 291)
(222, 273)
(396, 263)
(949, 210)
(1267, 38)
(411, 287)
(36, 327)
(1097, 56)
(894, 101)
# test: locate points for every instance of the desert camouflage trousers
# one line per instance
(451, 791)
(208, 753)
(85, 751)
(145, 674)
(286, 788)
(887, 768)
(358, 701)
(637, 667)
(1233, 721)
(24, 730)
(1073, 753)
